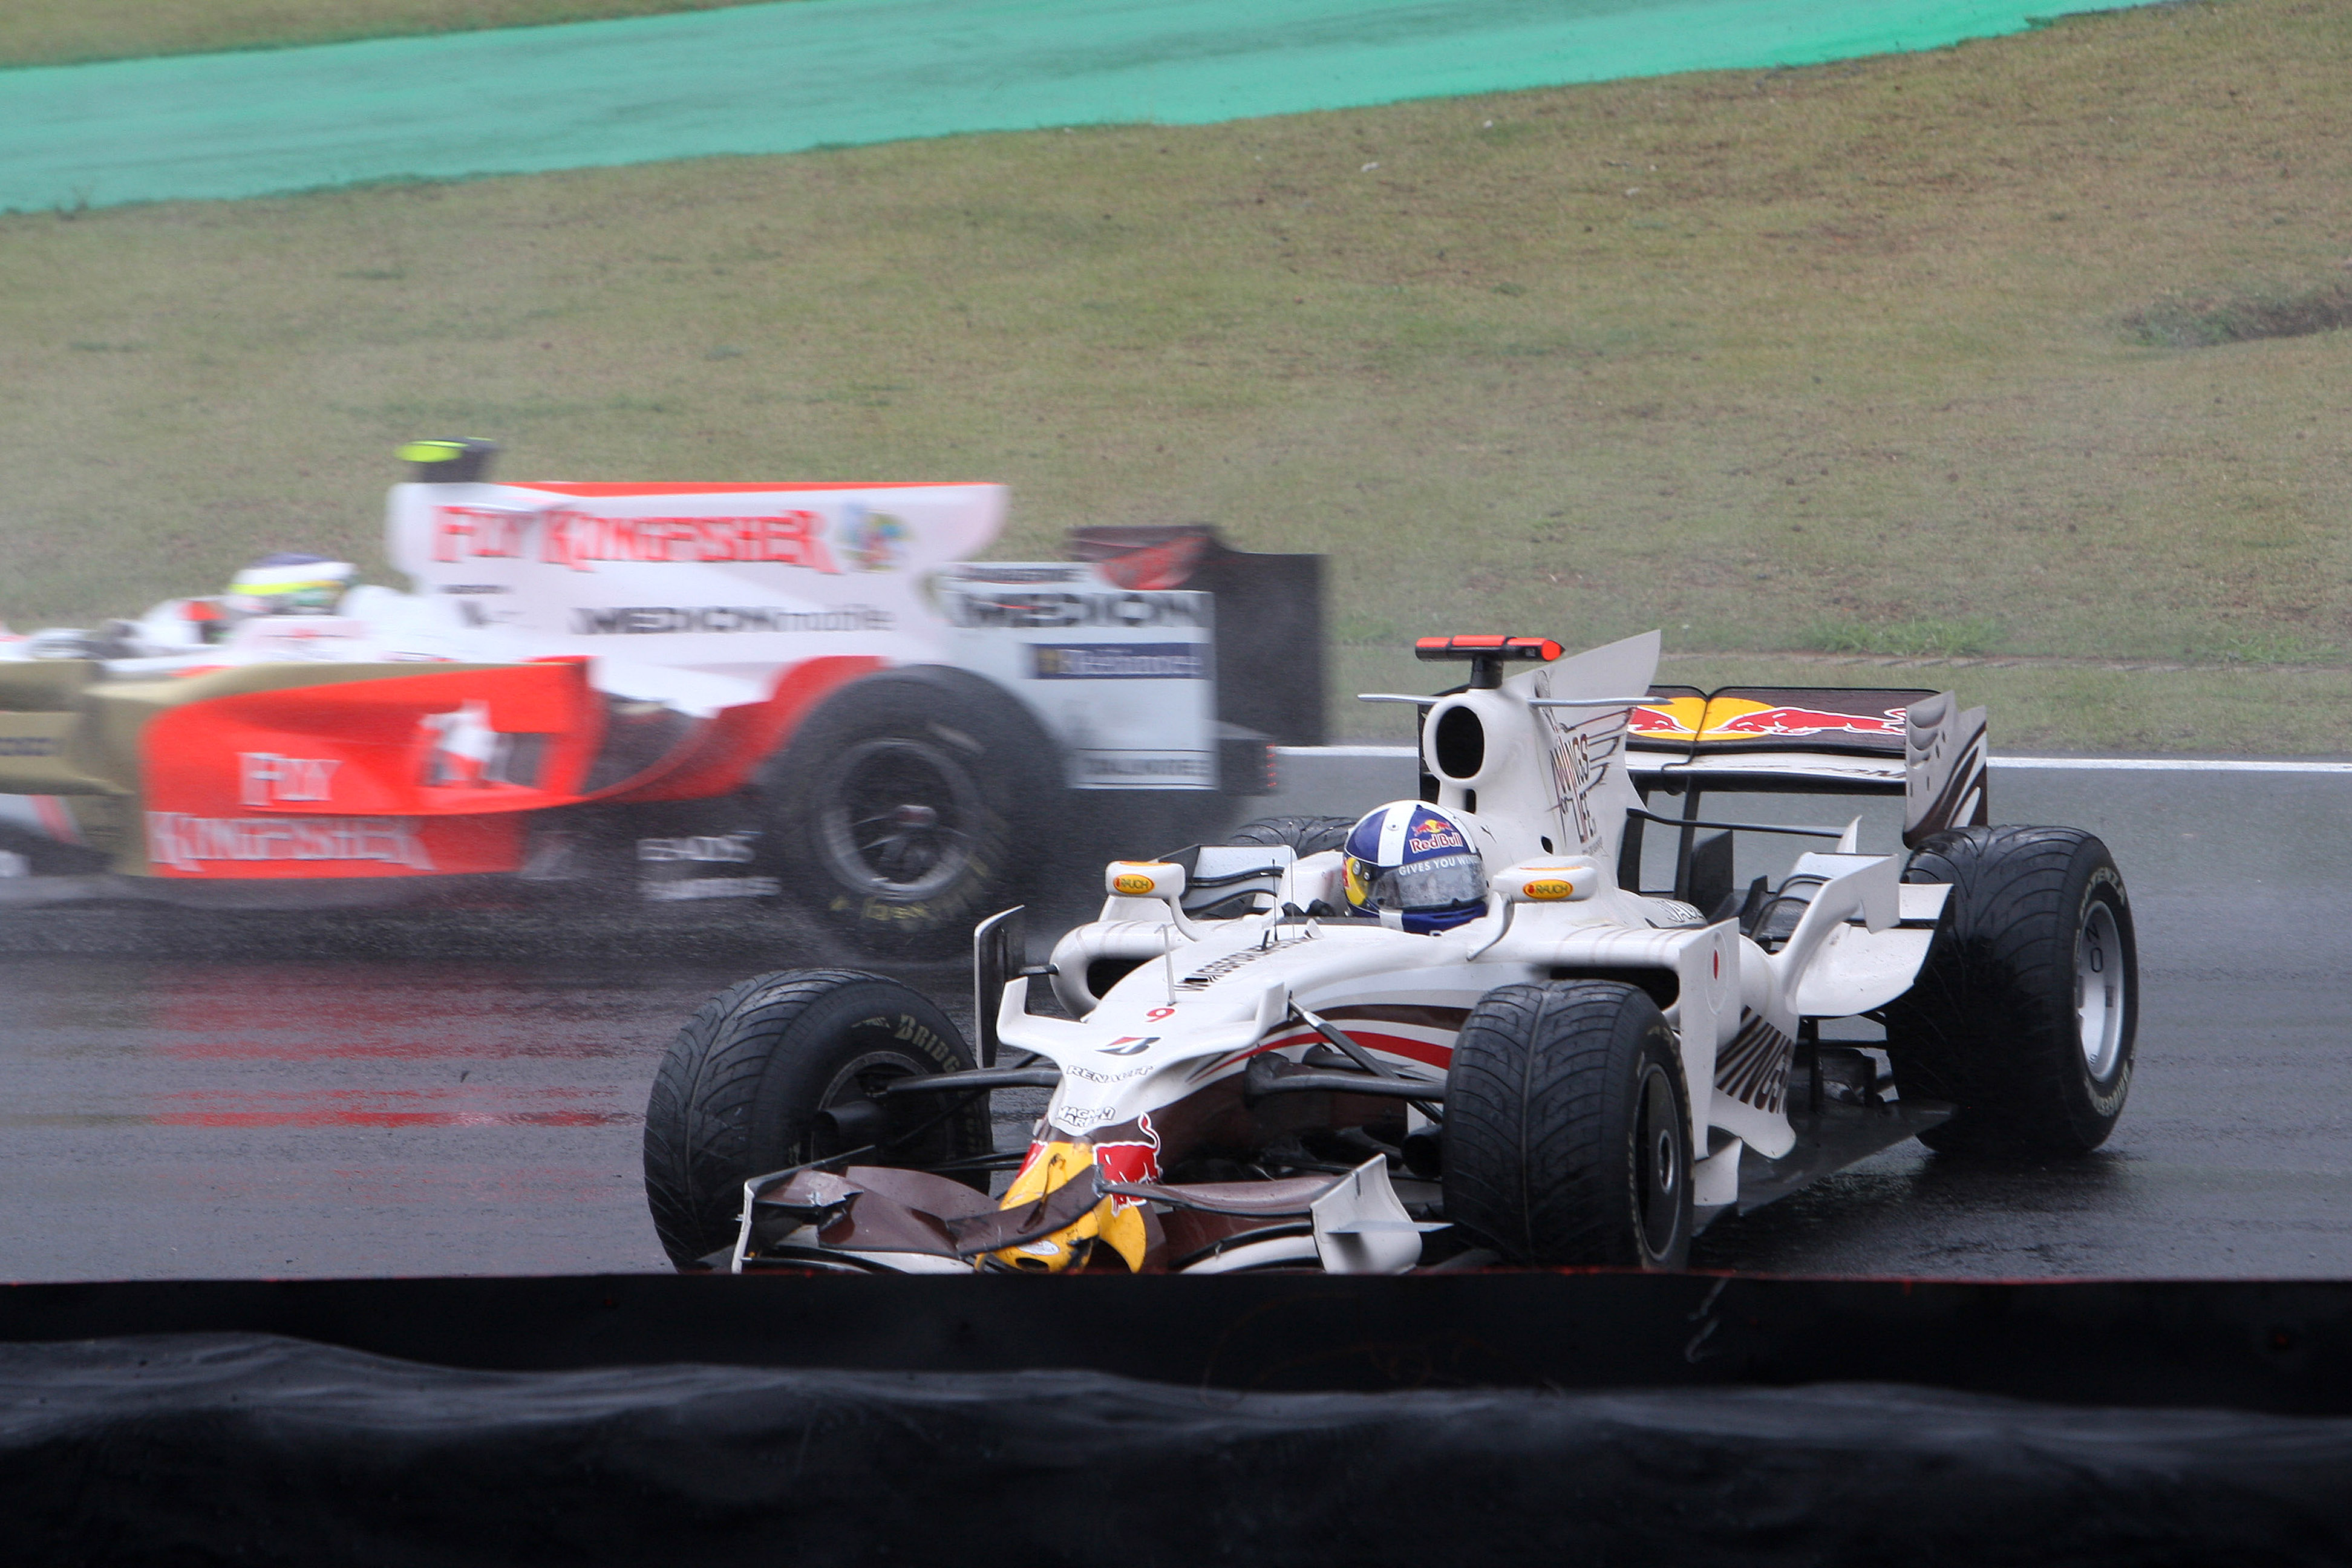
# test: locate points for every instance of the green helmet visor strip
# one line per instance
(317, 584)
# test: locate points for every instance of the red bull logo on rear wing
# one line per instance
(1749, 718)
(1782, 720)
(1788, 739)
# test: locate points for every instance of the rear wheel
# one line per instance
(2025, 1012)
(781, 1070)
(1566, 1138)
(1307, 834)
(910, 804)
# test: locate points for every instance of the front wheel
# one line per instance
(782, 1069)
(1567, 1128)
(2025, 1013)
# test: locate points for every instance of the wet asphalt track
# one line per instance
(207, 1095)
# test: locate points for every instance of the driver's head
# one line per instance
(290, 584)
(1415, 866)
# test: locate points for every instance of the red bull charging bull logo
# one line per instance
(1433, 834)
(1701, 720)
(1782, 721)
(1129, 1160)
(1669, 718)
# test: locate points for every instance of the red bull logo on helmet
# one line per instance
(1432, 833)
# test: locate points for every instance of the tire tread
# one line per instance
(1987, 1024)
(1307, 834)
(1528, 1132)
(698, 1116)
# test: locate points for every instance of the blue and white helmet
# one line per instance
(1416, 867)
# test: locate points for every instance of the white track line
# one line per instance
(2061, 764)
(2170, 765)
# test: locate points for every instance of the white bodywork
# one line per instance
(1551, 796)
(703, 597)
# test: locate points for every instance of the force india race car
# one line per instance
(1266, 1054)
(695, 691)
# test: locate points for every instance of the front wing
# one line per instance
(881, 1219)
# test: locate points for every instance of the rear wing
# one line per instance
(1793, 740)
(1269, 623)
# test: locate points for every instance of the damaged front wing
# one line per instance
(883, 1219)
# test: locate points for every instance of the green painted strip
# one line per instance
(784, 78)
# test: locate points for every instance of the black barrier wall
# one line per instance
(2255, 1346)
(250, 1449)
(1496, 1419)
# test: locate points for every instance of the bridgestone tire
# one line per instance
(739, 1093)
(1567, 1129)
(2025, 1011)
(909, 805)
(1307, 834)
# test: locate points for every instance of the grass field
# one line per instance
(1952, 354)
(61, 32)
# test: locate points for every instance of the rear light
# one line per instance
(1488, 653)
(1543, 649)
(1246, 762)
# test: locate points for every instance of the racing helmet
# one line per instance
(1414, 864)
(290, 584)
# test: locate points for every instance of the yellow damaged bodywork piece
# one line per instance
(1119, 1228)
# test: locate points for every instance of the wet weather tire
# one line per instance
(1567, 1129)
(911, 805)
(1307, 834)
(740, 1091)
(2024, 1013)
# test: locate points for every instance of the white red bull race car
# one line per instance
(686, 690)
(1320, 1047)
